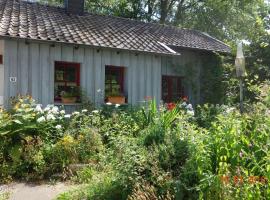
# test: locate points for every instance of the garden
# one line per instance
(150, 152)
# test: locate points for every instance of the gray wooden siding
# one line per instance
(1, 75)
(33, 65)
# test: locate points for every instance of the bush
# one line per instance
(142, 153)
(36, 143)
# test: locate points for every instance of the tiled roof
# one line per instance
(41, 22)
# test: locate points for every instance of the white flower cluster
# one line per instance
(49, 113)
(188, 108)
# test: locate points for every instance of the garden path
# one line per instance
(23, 191)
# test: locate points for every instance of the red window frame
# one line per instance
(180, 89)
(61, 64)
(120, 70)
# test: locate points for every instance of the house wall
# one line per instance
(33, 66)
(189, 67)
(1, 75)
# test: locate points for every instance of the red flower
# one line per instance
(185, 98)
(171, 106)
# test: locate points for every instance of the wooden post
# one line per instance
(241, 95)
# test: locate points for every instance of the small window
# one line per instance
(172, 89)
(114, 81)
(1, 59)
(67, 79)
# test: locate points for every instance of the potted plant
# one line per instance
(70, 96)
(118, 99)
(114, 96)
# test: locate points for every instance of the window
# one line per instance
(172, 89)
(114, 81)
(67, 78)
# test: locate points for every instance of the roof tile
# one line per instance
(36, 21)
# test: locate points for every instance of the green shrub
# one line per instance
(142, 153)
(38, 142)
(82, 148)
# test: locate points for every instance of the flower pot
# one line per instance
(117, 99)
(69, 99)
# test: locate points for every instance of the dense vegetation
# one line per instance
(163, 152)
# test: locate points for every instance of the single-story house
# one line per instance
(49, 52)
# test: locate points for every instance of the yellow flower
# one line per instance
(17, 106)
(80, 137)
(67, 140)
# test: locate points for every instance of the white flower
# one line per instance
(190, 112)
(48, 107)
(38, 108)
(99, 90)
(184, 104)
(41, 119)
(109, 103)
(75, 113)
(85, 110)
(55, 110)
(62, 112)
(189, 107)
(229, 110)
(67, 116)
(117, 105)
(50, 117)
(58, 127)
(95, 111)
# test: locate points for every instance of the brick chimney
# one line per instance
(75, 7)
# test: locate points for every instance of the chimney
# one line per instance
(75, 7)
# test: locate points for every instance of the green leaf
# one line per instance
(4, 133)
(18, 122)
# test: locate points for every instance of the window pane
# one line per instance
(165, 89)
(59, 74)
(66, 79)
(171, 89)
(71, 74)
(114, 81)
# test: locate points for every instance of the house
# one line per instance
(48, 51)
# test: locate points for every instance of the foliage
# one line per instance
(149, 152)
(4, 196)
(73, 92)
(35, 142)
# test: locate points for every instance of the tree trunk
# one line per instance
(163, 10)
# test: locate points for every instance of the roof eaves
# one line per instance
(197, 49)
(168, 48)
(87, 45)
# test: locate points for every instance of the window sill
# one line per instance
(114, 104)
(67, 104)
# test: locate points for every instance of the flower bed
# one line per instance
(164, 152)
